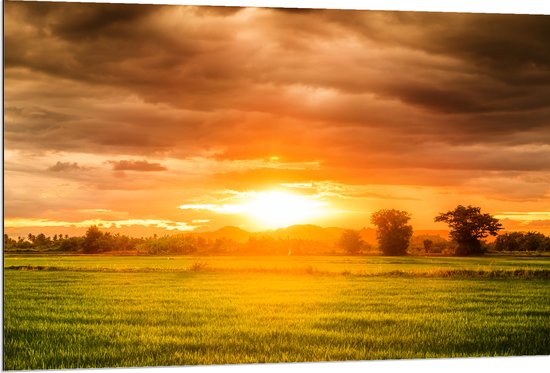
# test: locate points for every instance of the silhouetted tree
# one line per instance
(71, 244)
(468, 227)
(351, 242)
(533, 241)
(42, 241)
(393, 233)
(510, 241)
(9, 242)
(92, 238)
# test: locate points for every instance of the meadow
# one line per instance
(101, 311)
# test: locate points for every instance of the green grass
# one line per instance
(83, 316)
(324, 264)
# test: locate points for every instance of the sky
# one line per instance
(149, 118)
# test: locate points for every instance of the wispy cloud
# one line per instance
(165, 224)
(65, 166)
(526, 216)
(132, 165)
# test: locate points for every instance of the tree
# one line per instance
(427, 245)
(533, 241)
(510, 241)
(9, 242)
(468, 227)
(351, 242)
(393, 233)
(42, 241)
(92, 239)
(71, 244)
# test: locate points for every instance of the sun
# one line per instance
(278, 209)
(270, 209)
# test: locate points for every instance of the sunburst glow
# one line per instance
(276, 209)
(270, 209)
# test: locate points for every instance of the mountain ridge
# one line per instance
(309, 232)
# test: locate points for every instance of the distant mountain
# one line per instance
(309, 232)
(306, 232)
(232, 233)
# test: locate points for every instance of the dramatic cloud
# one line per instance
(417, 110)
(136, 166)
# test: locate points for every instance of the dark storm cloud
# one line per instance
(92, 42)
(499, 41)
(79, 23)
(145, 166)
(511, 46)
(240, 83)
(457, 64)
(508, 53)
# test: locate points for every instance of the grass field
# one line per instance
(323, 264)
(81, 312)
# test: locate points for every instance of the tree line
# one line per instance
(94, 241)
(522, 241)
(468, 228)
(97, 242)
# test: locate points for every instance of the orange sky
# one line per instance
(150, 118)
